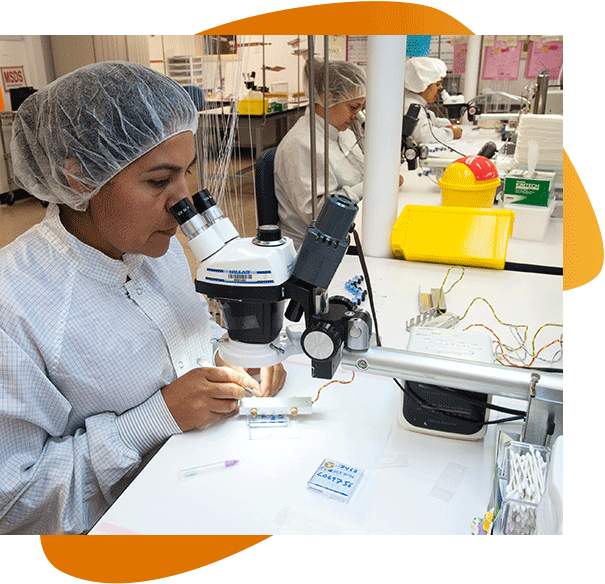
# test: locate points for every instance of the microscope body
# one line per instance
(254, 278)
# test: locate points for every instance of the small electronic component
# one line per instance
(433, 318)
(335, 480)
(353, 286)
(436, 300)
(433, 311)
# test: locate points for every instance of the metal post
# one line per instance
(382, 141)
(326, 116)
(311, 46)
(542, 92)
(264, 83)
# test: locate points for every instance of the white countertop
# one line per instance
(413, 483)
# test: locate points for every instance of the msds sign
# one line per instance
(12, 77)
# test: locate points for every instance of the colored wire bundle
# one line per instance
(505, 354)
(514, 414)
(334, 381)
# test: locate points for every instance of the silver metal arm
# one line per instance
(480, 377)
(543, 390)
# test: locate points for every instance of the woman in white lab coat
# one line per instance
(345, 99)
(102, 334)
(423, 83)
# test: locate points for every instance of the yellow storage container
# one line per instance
(254, 107)
(470, 181)
(453, 235)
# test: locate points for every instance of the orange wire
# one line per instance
(501, 346)
(333, 381)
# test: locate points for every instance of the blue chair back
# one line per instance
(197, 95)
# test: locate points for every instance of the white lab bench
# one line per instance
(421, 190)
(413, 483)
(546, 255)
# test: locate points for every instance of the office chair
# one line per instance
(197, 96)
(266, 202)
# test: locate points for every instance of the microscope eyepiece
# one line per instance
(183, 211)
(207, 207)
(203, 201)
(191, 222)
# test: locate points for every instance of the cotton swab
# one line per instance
(195, 470)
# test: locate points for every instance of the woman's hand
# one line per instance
(272, 378)
(457, 130)
(207, 395)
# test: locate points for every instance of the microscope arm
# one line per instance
(543, 390)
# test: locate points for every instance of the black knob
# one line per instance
(268, 233)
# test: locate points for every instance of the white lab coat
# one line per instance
(86, 344)
(293, 173)
(422, 133)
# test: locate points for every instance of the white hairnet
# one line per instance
(97, 119)
(420, 72)
(346, 81)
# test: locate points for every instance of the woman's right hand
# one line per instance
(206, 395)
(456, 130)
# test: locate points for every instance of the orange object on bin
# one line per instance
(470, 181)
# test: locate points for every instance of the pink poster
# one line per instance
(502, 61)
(543, 55)
(459, 64)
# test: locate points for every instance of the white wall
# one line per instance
(33, 53)
(250, 58)
(277, 53)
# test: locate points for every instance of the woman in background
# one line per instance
(423, 84)
(345, 97)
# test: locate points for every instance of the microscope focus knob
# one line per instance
(267, 235)
(320, 341)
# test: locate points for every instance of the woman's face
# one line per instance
(432, 91)
(342, 115)
(130, 214)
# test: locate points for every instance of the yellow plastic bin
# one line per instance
(470, 181)
(254, 107)
(453, 235)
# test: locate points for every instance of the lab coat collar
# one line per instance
(415, 96)
(90, 261)
(319, 125)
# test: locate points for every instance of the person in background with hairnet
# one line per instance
(101, 329)
(345, 97)
(423, 84)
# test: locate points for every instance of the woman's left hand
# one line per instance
(272, 378)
